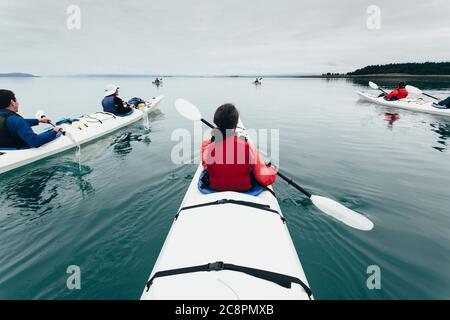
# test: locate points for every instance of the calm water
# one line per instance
(112, 217)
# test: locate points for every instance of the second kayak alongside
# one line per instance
(78, 131)
(228, 245)
(418, 105)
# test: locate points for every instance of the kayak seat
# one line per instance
(256, 190)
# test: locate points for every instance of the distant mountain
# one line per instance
(426, 68)
(17, 75)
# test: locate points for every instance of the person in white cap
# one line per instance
(112, 103)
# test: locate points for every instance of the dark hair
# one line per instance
(402, 84)
(226, 117)
(5, 98)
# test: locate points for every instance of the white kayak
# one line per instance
(418, 105)
(84, 129)
(227, 245)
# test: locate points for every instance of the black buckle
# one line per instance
(216, 266)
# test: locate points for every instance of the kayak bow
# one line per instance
(228, 245)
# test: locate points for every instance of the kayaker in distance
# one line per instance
(397, 94)
(112, 103)
(243, 168)
(15, 131)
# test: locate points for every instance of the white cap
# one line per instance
(110, 89)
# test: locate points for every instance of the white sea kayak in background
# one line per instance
(418, 105)
(227, 245)
(84, 129)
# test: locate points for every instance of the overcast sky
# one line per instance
(218, 36)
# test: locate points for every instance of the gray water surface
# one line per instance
(111, 218)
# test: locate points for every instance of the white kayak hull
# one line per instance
(229, 233)
(416, 105)
(96, 126)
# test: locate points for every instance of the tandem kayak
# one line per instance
(227, 245)
(418, 105)
(78, 131)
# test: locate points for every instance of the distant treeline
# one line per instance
(17, 74)
(427, 68)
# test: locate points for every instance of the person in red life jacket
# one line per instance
(112, 103)
(232, 162)
(397, 94)
(15, 131)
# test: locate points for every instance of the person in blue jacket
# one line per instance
(112, 103)
(15, 131)
(443, 104)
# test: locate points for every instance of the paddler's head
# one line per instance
(401, 85)
(111, 89)
(8, 100)
(226, 118)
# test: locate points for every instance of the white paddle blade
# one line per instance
(342, 213)
(188, 110)
(39, 114)
(373, 85)
(413, 89)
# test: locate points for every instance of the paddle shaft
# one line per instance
(207, 123)
(294, 184)
(429, 95)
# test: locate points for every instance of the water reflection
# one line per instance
(36, 192)
(122, 143)
(443, 131)
(391, 118)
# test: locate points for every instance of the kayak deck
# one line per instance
(240, 234)
(90, 128)
(418, 105)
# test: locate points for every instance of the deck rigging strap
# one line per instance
(90, 117)
(108, 113)
(278, 278)
(255, 205)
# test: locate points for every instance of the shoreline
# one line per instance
(387, 76)
(336, 76)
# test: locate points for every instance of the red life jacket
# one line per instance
(402, 93)
(230, 173)
(397, 94)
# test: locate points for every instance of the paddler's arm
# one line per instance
(34, 122)
(265, 175)
(445, 102)
(22, 128)
(204, 152)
